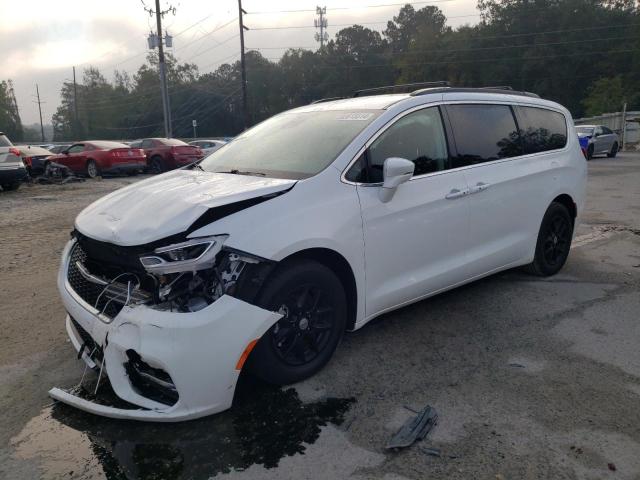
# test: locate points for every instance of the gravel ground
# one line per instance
(532, 378)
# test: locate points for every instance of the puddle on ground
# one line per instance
(265, 425)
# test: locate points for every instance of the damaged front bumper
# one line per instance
(173, 366)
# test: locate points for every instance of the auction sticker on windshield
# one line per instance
(358, 116)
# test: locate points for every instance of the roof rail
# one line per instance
(498, 87)
(502, 90)
(328, 99)
(403, 88)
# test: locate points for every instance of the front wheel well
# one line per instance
(339, 265)
(568, 202)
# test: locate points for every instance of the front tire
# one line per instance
(590, 152)
(554, 241)
(10, 186)
(614, 150)
(313, 303)
(92, 169)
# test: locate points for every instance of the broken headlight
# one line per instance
(189, 256)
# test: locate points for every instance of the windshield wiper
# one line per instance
(240, 172)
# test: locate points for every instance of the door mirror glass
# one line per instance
(395, 172)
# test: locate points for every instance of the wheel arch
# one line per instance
(567, 201)
(338, 265)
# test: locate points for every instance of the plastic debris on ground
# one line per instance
(414, 429)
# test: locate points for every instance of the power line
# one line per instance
(415, 52)
(361, 7)
(455, 62)
(226, 24)
(335, 25)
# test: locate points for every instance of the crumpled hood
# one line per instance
(168, 204)
(584, 135)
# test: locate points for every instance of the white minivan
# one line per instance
(311, 223)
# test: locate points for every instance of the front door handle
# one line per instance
(480, 186)
(455, 193)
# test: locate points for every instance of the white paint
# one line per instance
(417, 244)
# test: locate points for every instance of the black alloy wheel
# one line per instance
(303, 332)
(554, 241)
(312, 302)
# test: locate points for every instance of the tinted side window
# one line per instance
(418, 136)
(483, 133)
(146, 144)
(542, 130)
(606, 130)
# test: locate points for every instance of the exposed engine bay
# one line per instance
(185, 276)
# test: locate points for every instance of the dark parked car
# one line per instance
(168, 153)
(12, 169)
(93, 158)
(34, 158)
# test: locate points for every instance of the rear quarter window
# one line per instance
(483, 133)
(541, 129)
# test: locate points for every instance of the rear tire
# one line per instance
(92, 169)
(312, 299)
(554, 242)
(156, 165)
(614, 150)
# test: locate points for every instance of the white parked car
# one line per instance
(311, 223)
(208, 146)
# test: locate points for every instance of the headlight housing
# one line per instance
(190, 256)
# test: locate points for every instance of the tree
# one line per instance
(10, 122)
(571, 51)
(607, 95)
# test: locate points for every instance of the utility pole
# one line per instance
(623, 137)
(157, 41)
(163, 75)
(322, 24)
(40, 110)
(75, 105)
(245, 111)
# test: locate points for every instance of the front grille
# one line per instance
(102, 298)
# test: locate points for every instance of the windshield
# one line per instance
(585, 130)
(290, 145)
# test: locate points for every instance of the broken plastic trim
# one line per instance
(414, 429)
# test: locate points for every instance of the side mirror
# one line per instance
(395, 172)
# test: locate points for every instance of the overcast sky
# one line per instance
(41, 40)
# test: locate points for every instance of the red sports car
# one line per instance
(93, 158)
(168, 153)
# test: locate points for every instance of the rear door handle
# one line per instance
(480, 186)
(455, 193)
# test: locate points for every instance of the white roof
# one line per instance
(372, 102)
(381, 102)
